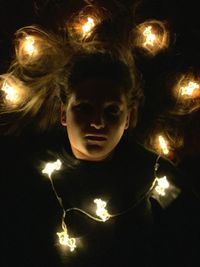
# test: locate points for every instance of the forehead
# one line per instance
(98, 89)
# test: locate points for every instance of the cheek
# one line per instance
(72, 123)
(73, 132)
(75, 127)
(78, 118)
(118, 123)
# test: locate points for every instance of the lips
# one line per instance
(98, 138)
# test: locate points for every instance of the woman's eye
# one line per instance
(112, 110)
(83, 107)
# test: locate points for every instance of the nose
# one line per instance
(97, 120)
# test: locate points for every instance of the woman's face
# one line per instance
(95, 118)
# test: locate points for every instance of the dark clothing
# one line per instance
(142, 233)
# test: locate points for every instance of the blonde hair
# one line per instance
(47, 75)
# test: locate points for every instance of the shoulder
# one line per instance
(131, 147)
(177, 199)
(178, 216)
(156, 174)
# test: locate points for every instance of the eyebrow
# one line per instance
(86, 100)
(113, 102)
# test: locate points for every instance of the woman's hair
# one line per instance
(83, 66)
(49, 77)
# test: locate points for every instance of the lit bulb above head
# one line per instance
(15, 92)
(82, 28)
(88, 26)
(28, 49)
(152, 36)
(38, 50)
(186, 92)
(163, 145)
(29, 45)
(11, 93)
(186, 86)
(82, 24)
(190, 89)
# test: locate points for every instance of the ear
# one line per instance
(63, 117)
(127, 120)
(133, 115)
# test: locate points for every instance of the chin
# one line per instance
(97, 154)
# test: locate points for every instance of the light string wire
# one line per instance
(156, 165)
(65, 211)
(71, 209)
(64, 227)
(88, 214)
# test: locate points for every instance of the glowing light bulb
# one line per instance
(150, 37)
(29, 49)
(189, 89)
(29, 45)
(81, 25)
(65, 240)
(12, 93)
(101, 211)
(50, 167)
(163, 145)
(162, 185)
(87, 27)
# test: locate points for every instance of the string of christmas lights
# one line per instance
(161, 187)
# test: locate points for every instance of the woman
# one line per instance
(99, 160)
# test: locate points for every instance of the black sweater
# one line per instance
(140, 233)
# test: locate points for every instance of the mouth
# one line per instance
(96, 138)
